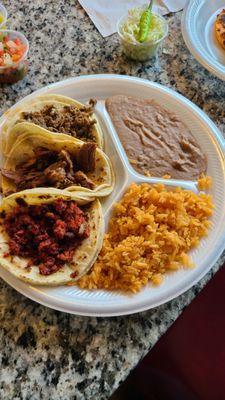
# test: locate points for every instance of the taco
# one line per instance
(49, 237)
(59, 115)
(40, 159)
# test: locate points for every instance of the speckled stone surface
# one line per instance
(46, 354)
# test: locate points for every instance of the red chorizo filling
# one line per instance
(47, 234)
(58, 169)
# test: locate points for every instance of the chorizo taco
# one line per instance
(49, 238)
(59, 115)
(40, 159)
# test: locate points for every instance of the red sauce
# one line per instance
(48, 234)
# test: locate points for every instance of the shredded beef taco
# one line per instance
(49, 237)
(40, 159)
(59, 115)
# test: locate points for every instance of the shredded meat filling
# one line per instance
(57, 169)
(73, 121)
(48, 234)
(86, 157)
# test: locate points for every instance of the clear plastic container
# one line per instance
(140, 51)
(15, 72)
(4, 15)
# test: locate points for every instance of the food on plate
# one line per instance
(204, 182)
(220, 28)
(57, 114)
(48, 237)
(1, 18)
(156, 141)
(40, 159)
(149, 235)
(70, 120)
(13, 50)
(141, 32)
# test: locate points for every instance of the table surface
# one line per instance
(44, 353)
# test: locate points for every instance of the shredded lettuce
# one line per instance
(130, 28)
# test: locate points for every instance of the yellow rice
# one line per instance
(149, 235)
(204, 182)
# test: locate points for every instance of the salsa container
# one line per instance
(15, 72)
(73, 300)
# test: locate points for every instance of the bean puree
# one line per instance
(156, 141)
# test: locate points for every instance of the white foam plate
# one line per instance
(198, 32)
(104, 303)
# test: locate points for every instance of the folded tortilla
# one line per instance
(27, 137)
(15, 116)
(84, 256)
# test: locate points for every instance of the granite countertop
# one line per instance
(45, 354)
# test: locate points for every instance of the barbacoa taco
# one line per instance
(49, 238)
(59, 115)
(40, 159)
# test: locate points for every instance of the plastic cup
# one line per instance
(140, 51)
(4, 13)
(15, 72)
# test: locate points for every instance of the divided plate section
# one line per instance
(215, 169)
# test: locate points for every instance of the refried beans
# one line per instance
(156, 141)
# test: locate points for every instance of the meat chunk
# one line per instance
(82, 179)
(86, 157)
(13, 175)
(24, 180)
(64, 155)
(56, 173)
(57, 169)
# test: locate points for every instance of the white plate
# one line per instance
(199, 34)
(103, 303)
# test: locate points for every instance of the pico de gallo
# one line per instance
(13, 49)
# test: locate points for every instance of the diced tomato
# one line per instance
(17, 41)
